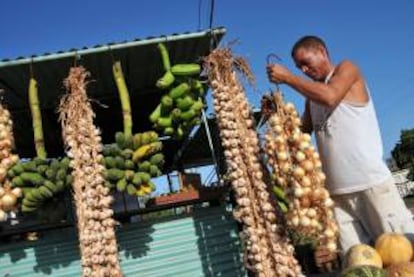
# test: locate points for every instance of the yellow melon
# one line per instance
(394, 248)
(362, 254)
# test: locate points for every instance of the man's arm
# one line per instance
(331, 94)
(307, 126)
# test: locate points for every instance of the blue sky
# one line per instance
(376, 35)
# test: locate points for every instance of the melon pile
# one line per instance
(391, 256)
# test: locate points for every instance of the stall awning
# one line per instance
(141, 64)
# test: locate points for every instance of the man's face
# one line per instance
(311, 62)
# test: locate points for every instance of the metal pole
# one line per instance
(210, 144)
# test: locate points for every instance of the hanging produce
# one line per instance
(132, 160)
(8, 195)
(98, 246)
(297, 169)
(41, 179)
(180, 108)
(268, 250)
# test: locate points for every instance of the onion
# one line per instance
(18, 192)
(299, 172)
(9, 200)
(300, 156)
(282, 156)
(306, 137)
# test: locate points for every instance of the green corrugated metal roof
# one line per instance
(203, 244)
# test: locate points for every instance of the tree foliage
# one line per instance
(403, 152)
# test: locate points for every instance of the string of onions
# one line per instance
(268, 250)
(298, 169)
(8, 196)
(98, 244)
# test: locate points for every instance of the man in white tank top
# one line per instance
(340, 110)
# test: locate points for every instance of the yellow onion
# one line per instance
(8, 200)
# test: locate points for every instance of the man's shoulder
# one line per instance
(350, 69)
(347, 64)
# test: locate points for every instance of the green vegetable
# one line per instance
(121, 184)
(186, 69)
(114, 174)
(165, 81)
(179, 91)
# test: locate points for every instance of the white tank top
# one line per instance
(350, 145)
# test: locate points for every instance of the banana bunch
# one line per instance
(41, 180)
(132, 161)
(180, 108)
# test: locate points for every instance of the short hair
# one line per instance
(308, 42)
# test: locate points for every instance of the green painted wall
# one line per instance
(202, 244)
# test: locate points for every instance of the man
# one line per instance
(339, 108)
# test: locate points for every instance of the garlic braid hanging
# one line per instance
(268, 251)
(98, 244)
(8, 195)
(298, 170)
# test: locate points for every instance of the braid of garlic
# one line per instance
(98, 245)
(268, 252)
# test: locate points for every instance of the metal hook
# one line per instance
(269, 61)
(272, 55)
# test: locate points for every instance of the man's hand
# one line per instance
(277, 73)
(325, 260)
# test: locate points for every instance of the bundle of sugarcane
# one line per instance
(180, 108)
(298, 171)
(133, 159)
(268, 249)
(8, 195)
(40, 178)
(99, 250)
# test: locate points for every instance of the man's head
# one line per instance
(311, 57)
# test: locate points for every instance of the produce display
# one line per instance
(96, 226)
(297, 170)
(268, 250)
(181, 106)
(279, 189)
(8, 195)
(133, 159)
(41, 179)
(392, 256)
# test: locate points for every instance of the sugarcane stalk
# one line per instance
(124, 97)
(36, 119)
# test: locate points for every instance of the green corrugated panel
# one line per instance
(203, 244)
